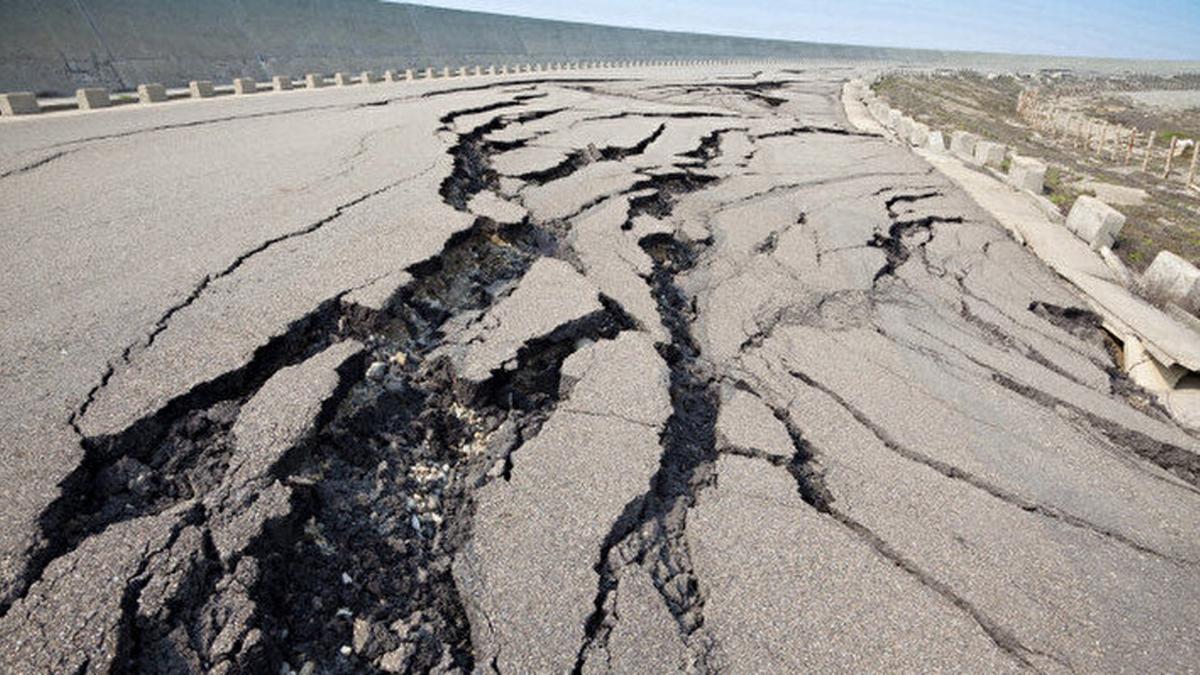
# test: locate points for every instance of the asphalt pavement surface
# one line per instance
(595, 371)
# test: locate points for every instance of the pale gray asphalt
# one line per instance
(968, 527)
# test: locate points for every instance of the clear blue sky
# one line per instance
(1150, 29)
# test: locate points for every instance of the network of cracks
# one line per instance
(356, 573)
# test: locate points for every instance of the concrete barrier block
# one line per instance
(19, 103)
(1095, 222)
(1027, 174)
(391, 76)
(343, 79)
(893, 118)
(989, 153)
(962, 143)
(919, 135)
(367, 77)
(503, 69)
(445, 71)
(244, 85)
(1170, 278)
(152, 93)
(477, 71)
(409, 75)
(281, 83)
(90, 98)
(429, 73)
(201, 89)
(491, 69)
(314, 80)
(937, 142)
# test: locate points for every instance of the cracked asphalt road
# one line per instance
(664, 371)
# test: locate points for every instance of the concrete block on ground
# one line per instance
(462, 71)
(314, 81)
(478, 70)
(281, 83)
(445, 71)
(367, 77)
(936, 142)
(1095, 222)
(429, 73)
(409, 75)
(19, 103)
(244, 85)
(90, 98)
(962, 143)
(1170, 278)
(391, 76)
(893, 118)
(919, 135)
(201, 89)
(879, 110)
(343, 79)
(989, 153)
(1026, 173)
(152, 93)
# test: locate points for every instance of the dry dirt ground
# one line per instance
(641, 372)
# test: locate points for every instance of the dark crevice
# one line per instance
(37, 164)
(473, 172)
(1181, 462)
(650, 530)
(578, 159)
(954, 473)
(906, 235)
(803, 466)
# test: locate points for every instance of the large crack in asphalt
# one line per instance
(805, 469)
(417, 433)
(651, 529)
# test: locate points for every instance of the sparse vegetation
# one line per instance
(1170, 217)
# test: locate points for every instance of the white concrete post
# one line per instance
(90, 98)
(152, 93)
(314, 80)
(342, 79)
(19, 103)
(281, 82)
(201, 89)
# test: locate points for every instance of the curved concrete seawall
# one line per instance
(56, 46)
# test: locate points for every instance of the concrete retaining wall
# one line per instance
(56, 46)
